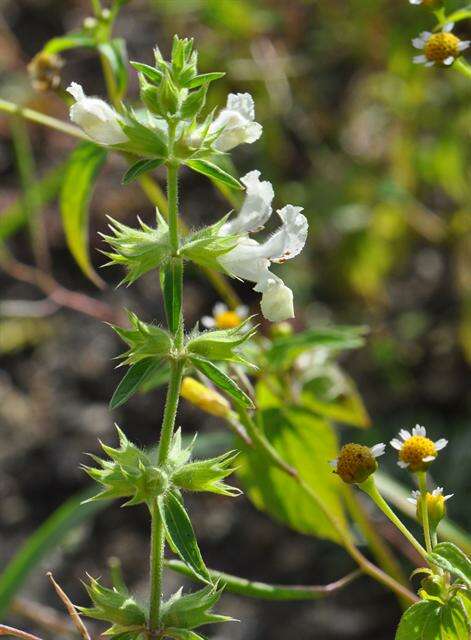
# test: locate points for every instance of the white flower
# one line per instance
(250, 260)
(356, 462)
(440, 48)
(416, 451)
(236, 123)
(415, 495)
(95, 117)
(225, 318)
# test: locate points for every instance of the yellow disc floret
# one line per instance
(441, 46)
(227, 320)
(355, 463)
(414, 450)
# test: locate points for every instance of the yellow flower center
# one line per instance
(227, 320)
(355, 463)
(414, 450)
(441, 46)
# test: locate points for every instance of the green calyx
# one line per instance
(221, 345)
(205, 246)
(129, 473)
(138, 250)
(144, 340)
(183, 613)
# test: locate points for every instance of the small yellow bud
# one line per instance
(204, 398)
(436, 505)
(44, 71)
(281, 330)
(357, 462)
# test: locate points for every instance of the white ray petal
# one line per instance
(441, 444)
(419, 431)
(378, 449)
(402, 464)
(397, 444)
(405, 435)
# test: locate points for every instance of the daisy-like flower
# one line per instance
(95, 116)
(250, 260)
(416, 451)
(236, 123)
(436, 493)
(225, 318)
(440, 48)
(356, 462)
(435, 502)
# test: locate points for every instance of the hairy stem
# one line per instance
(422, 478)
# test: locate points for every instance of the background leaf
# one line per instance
(136, 376)
(116, 56)
(221, 380)
(214, 172)
(80, 174)
(449, 557)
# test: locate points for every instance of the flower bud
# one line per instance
(44, 71)
(357, 462)
(277, 301)
(436, 506)
(204, 398)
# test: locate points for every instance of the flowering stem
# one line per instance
(422, 479)
(370, 488)
(42, 118)
(462, 67)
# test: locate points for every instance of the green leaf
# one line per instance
(116, 56)
(192, 610)
(171, 282)
(156, 379)
(45, 539)
(221, 380)
(420, 622)
(285, 350)
(450, 558)
(150, 73)
(455, 623)
(180, 534)
(204, 78)
(193, 104)
(214, 172)
(140, 167)
(136, 376)
(80, 174)
(307, 442)
(69, 41)
(144, 140)
(144, 340)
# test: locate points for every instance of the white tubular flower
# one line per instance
(250, 260)
(95, 116)
(236, 123)
(416, 451)
(225, 318)
(440, 48)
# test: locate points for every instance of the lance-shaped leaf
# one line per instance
(180, 534)
(221, 345)
(206, 245)
(450, 558)
(208, 475)
(171, 281)
(204, 78)
(192, 610)
(116, 55)
(214, 172)
(137, 250)
(153, 75)
(134, 380)
(139, 168)
(80, 174)
(117, 607)
(129, 473)
(144, 340)
(221, 380)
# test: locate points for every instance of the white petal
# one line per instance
(448, 27)
(333, 463)
(415, 494)
(246, 261)
(428, 458)
(219, 308)
(418, 43)
(378, 449)
(256, 208)
(405, 435)
(242, 311)
(438, 491)
(419, 59)
(415, 1)
(397, 444)
(464, 44)
(236, 123)
(449, 61)
(431, 63)
(76, 91)
(289, 239)
(277, 300)
(419, 431)
(450, 495)
(441, 444)
(412, 500)
(208, 322)
(96, 117)
(243, 103)
(426, 35)
(402, 464)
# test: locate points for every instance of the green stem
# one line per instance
(462, 67)
(422, 478)
(370, 488)
(157, 529)
(41, 118)
(264, 591)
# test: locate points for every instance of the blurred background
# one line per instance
(377, 151)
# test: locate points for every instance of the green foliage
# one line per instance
(180, 534)
(205, 246)
(221, 345)
(213, 171)
(117, 607)
(307, 442)
(135, 378)
(191, 611)
(144, 139)
(79, 178)
(450, 558)
(144, 340)
(114, 51)
(207, 475)
(221, 380)
(137, 250)
(430, 620)
(139, 168)
(69, 41)
(171, 277)
(128, 474)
